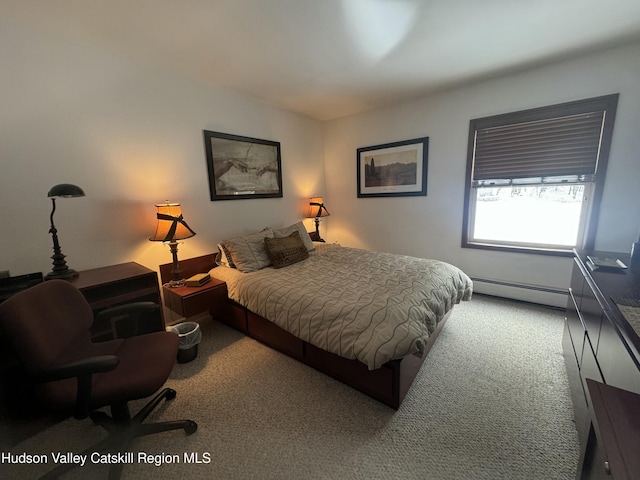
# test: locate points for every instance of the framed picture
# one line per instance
(242, 167)
(396, 169)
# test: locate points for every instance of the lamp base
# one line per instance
(315, 236)
(177, 281)
(60, 269)
(61, 274)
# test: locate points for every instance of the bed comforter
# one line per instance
(369, 306)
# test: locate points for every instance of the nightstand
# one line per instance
(211, 297)
(188, 301)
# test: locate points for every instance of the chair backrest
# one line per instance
(43, 321)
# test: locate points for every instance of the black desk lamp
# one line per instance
(171, 227)
(60, 268)
(317, 210)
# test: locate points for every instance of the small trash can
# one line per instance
(190, 336)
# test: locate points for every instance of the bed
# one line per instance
(366, 318)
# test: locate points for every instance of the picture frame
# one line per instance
(397, 169)
(242, 167)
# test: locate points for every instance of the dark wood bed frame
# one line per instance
(388, 384)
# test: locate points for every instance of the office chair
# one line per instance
(48, 328)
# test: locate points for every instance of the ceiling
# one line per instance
(331, 58)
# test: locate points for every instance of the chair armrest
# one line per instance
(83, 371)
(136, 308)
(80, 368)
(131, 319)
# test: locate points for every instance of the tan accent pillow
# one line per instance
(286, 250)
(247, 252)
(296, 227)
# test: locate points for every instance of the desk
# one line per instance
(114, 285)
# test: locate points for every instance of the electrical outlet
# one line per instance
(5, 274)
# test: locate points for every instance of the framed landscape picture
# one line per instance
(396, 169)
(242, 167)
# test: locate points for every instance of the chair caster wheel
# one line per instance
(171, 394)
(191, 427)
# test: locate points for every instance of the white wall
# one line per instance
(431, 226)
(131, 137)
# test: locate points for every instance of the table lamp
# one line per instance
(60, 268)
(317, 210)
(170, 228)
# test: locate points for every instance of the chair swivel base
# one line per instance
(123, 431)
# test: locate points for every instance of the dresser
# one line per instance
(601, 346)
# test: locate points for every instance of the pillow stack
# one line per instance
(282, 247)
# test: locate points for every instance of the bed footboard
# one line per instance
(388, 384)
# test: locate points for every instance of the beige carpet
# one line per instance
(491, 402)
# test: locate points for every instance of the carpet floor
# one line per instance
(490, 402)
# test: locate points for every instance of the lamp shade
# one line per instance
(66, 190)
(317, 208)
(171, 225)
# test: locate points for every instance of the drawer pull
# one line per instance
(607, 468)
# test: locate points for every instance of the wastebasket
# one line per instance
(190, 336)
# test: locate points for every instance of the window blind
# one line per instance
(566, 146)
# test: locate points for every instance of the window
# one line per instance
(534, 178)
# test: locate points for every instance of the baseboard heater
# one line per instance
(558, 291)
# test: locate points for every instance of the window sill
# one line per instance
(514, 249)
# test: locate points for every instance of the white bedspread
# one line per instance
(369, 306)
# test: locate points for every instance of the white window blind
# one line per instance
(566, 147)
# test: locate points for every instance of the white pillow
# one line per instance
(247, 252)
(296, 227)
